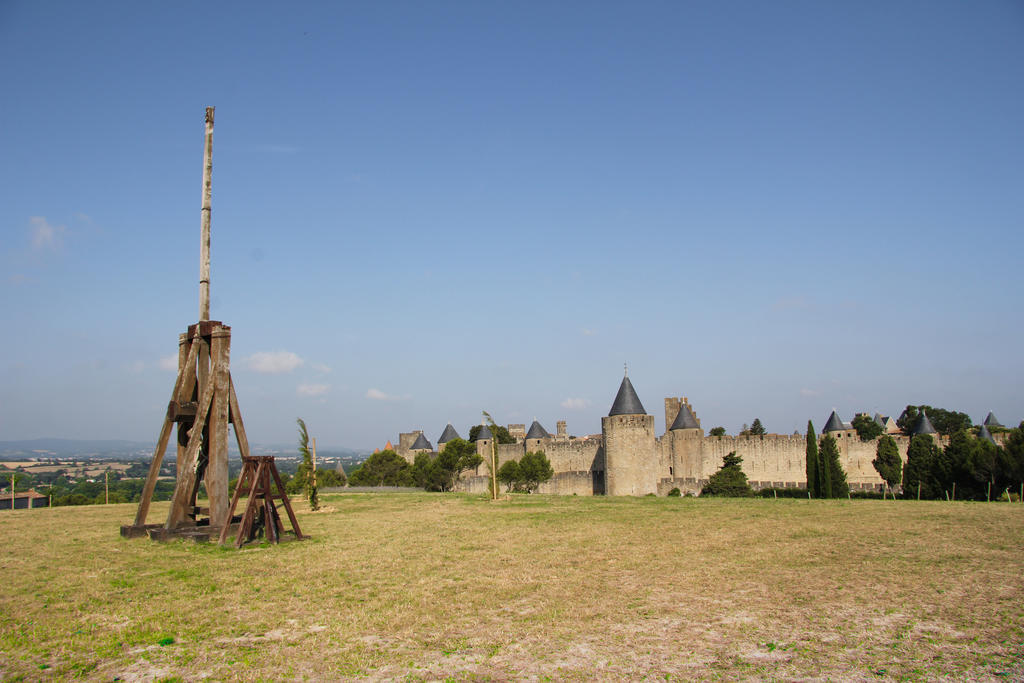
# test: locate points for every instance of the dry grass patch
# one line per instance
(432, 586)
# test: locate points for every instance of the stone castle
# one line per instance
(628, 459)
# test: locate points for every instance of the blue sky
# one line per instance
(425, 210)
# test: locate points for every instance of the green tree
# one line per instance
(717, 431)
(729, 480)
(534, 469)
(887, 461)
(813, 480)
(329, 478)
(509, 475)
(837, 486)
(756, 428)
(500, 433)
(946, 422)
(867, 428)
(1010, 460)
(427, 473)
(441, 472)
(918, 471)
(303, 474)
(385, 468)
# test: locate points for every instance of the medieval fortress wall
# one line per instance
(628, 458)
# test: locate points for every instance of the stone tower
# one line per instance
(534, 439)
(631, 464)
(685, 438)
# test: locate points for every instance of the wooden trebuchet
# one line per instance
(203, 404)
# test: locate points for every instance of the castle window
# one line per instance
(670, 470)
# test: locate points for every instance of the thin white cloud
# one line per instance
(273, 362)
(587, 332)
(85, 218)
(169, 362)
(135, 367)
(809, 392)
(575, 403)
(312, 389)
(44, 235)
(321, 367)
(378, 395)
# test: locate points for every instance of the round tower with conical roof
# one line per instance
(685, 438)
(483, 447)
(630, 461)
(534, 440)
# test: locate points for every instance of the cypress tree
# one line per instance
(919, 470)
(838, 487)
(812, 461)
(887, 461)
(824, 474)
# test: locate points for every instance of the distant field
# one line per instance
(84, 469)
(432, 586)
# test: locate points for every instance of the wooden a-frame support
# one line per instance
(259, 475)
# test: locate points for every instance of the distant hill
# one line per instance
(82, 448)
(123, 449)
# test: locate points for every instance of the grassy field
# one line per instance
(442, 586)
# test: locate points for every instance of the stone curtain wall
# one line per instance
(772, 458)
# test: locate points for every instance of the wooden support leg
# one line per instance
(158, 454)
(217, 425)
(287, 505)
(245, 528)
(187, 477)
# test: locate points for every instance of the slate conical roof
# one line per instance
(420, 443)
(983, 433)
(923, 425)
(685, 419)
(834, 424)
(537, 432)
(879, 421)
(991, 421)
(484, 433)
(448, 434)
(626, 401)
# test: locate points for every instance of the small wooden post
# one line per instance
(919, 490)
(954, 490)
(314, 463)
(988, 493)
(12, 492)
(106, 487)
